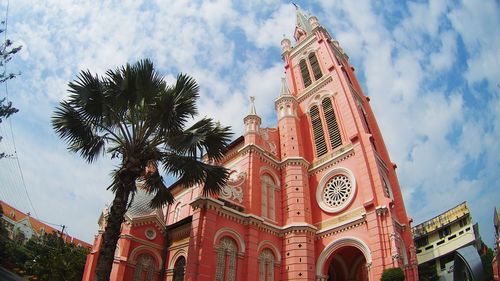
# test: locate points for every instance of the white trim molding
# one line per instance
(233, 234)
(321, 187)
(337, 244)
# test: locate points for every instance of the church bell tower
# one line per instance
(339, 182)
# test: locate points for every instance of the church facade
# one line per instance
(314, 198)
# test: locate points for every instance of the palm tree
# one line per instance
(132, 114)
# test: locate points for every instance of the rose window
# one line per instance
(337, 191)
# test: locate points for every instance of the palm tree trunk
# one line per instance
(111, 234)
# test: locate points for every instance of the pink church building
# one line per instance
(314, 198)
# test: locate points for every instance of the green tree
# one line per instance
(393, 274)
(132, 114)
(6, 51)
(50, 258)
(427, 272)
(486, 260)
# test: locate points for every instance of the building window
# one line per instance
(144, 268)
(336, 190)
(268, 201)
(306, 77)
(177, 212)
(179, 267)
(226, 260)
(462, 222)
(266, 265)
(319, 135)
(315, 66)
(331, 124)
(445, 231)
(422, 241)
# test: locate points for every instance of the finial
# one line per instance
(296, 7)
(252, 110)
(285, 91)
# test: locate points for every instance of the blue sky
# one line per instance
(431, 69)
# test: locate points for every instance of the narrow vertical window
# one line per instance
(331, 123)
(306, 77)
(319, 135)
(268, 204)
(179, 266)
(266, 265)
(315, 66)
(226, 260)
(264, 196)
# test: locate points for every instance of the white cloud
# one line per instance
(433, 132)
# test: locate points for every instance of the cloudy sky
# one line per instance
(431, 69)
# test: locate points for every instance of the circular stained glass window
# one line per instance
(336, 190)
(150, 234)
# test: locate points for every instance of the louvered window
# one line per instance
(319, 135)
(306, 77)
(331, 123)
(315, 66)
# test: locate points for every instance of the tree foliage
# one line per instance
(393, 274)
(7, 50)
(427, 272)
(50, 258)
(133, 115)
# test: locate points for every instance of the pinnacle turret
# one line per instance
(284, 91)
(251, 110)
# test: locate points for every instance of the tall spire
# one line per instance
(285, 91)
(252, 110)
(302, 22)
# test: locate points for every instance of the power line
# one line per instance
(16, 156)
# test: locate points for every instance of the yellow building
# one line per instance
(438, 239)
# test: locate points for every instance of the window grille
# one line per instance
(315, 66)
(319, 135)
(331, 123)
(306, 77)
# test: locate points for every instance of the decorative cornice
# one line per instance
(341, 220)
(295, 161)
(332, 158)
(142, 241)
(267, 155)
(343, 228)
(309, 91)
(144, 220)
(303, 45)
(250, 219)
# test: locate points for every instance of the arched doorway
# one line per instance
(344, 259)
(347, 264)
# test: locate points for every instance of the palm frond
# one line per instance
(203, 136)
(154, 184)
(80, 136)
(192, 172)
(87, 96)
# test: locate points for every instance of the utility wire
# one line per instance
(16, 156)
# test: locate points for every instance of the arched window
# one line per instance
(268, 201)
(179, 268)
(318, 133)
(266, 265)
(306, 77)
(331, 124)
(315, 66)
(144, 268)
(177, 212)
(226, 260)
